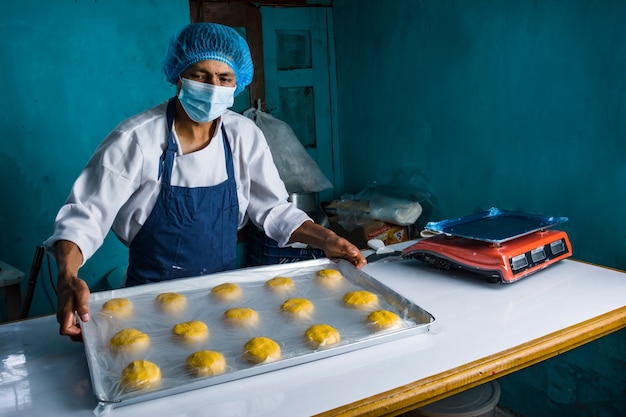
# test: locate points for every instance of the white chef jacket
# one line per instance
(119, 186)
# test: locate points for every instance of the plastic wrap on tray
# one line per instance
(170, 353)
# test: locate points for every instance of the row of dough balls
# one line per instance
(133, 341)
(143, 374)
(299, 308)
(172, 302)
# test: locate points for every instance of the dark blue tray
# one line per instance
(494, 225)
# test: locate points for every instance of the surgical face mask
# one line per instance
(205, 102)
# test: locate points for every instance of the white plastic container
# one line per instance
(480, 401)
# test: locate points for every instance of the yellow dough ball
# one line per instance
(226, 292)
(320, 335)
(206, 363)
(330, 279)
(140, 374)
(241, 317)
(361, 299)
(300, 308)
(280, 285)
(129, 341)
(261, 350)
(121, 308)
(191, 331)
(384, 319)
(171, 302)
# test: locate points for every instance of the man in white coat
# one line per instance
(176, 182)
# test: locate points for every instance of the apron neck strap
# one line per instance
(171, 143)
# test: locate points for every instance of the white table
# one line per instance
(482, 331)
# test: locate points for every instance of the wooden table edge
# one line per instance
(444, 384)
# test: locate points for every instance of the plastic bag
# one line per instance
(297, 169)
(402, 199)
(369, 204)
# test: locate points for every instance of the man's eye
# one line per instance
(194, 76)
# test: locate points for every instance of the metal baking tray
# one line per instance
(494, 225)
(105, 368)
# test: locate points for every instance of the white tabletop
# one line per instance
(42, 373)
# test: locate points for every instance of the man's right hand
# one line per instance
(73, 299)
(72, 292)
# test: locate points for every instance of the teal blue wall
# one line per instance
(71, 71)
(518, 105)
(515, 104)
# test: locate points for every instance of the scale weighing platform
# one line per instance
(502, 245)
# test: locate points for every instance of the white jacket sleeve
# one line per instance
(262, 186)
(106, 183)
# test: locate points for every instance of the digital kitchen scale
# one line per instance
(502, 245)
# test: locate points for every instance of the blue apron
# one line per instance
(190, 231)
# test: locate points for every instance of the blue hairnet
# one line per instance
(203, 41)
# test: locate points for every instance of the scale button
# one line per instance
(519, 262)
(557, 246)
(538, 254)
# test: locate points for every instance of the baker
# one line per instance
(176, 182)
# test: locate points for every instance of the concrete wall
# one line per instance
(514, 104)
(71, 71)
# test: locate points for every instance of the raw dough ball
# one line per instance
(171, 302)
(330, 279)
(241, 317)
(361, 300)
(261, 350)
(191, 331)
(129, 341)
(320, 335)
(300, 308)
(280, 285)
(140, 374)
(226, 292)
(384, 319)
(206, 363)
(121, 308)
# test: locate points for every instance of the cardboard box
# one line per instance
(374, 229)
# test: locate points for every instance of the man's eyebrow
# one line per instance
(221, 74)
